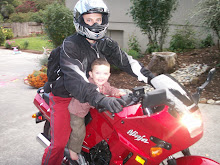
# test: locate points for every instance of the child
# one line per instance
(99, 75)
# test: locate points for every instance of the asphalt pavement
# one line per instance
(18, 131)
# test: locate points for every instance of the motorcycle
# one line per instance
(149, 131)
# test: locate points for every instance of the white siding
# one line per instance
(122, 23)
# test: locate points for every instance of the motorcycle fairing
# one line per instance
(178, 96)
(132, 119)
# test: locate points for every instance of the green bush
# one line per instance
(208, 41)
(2, 36)
(134, 44)
(152, 48)
(37, 17)
(20, 17)
(9, 44)
(25, 45)
(16, 3)
(183, 39)
(134, 54)
(1, 18)
(58, 23)
(27, 6)
(8, 33)
(6, 9)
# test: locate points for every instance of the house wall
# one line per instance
(121, 26)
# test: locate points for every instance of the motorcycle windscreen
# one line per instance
(178, 97)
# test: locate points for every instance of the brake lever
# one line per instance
(103, 110)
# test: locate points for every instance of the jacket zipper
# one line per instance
(97, 53)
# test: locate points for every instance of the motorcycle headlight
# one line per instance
(193, 122)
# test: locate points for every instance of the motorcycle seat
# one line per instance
(46, 97)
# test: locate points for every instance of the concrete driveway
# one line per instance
(18, 145)
(18, 130)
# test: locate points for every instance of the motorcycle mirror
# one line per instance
(197, 95)
(211, 74)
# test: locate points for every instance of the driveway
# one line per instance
(18, 130)
(18, 145)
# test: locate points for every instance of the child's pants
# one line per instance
(78, 133)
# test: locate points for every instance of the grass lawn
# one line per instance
(35, 43)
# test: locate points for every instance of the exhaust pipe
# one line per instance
(43, 140)
(45, 143)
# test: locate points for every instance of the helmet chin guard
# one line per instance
(96, 31)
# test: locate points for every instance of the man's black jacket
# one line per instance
(76, 57)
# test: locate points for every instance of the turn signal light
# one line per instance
(155, 151)
(34, 116)
(140, 160)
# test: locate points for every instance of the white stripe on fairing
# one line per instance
(136, 68)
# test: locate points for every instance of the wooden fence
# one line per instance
(24, 29)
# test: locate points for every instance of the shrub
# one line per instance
(38, 78)
(41, 4)
(2, 36)
(134, 54)
(58, 23)
(6, 10)
(27, 6)
(1, 18)
(183, 39)
(208, 41)
(134, 44)
(11, 44)
(152, 48)
(16, 3)
(20, 17)
(25, 45)
(37, 17)
(8, 33)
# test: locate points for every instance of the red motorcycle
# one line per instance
(151, 128)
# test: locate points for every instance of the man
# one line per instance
(77, 53)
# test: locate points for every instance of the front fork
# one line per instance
(172, 161)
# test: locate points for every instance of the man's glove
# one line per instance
(107, 46)
(114, 105)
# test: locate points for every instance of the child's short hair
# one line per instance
(99, 61)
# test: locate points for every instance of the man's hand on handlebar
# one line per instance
(112, 104)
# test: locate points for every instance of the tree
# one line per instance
(207, 13)
(6, 9)
(152, 17)
(58, 23)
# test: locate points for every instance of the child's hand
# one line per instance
(121, 93)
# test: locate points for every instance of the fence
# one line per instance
(24, 29)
